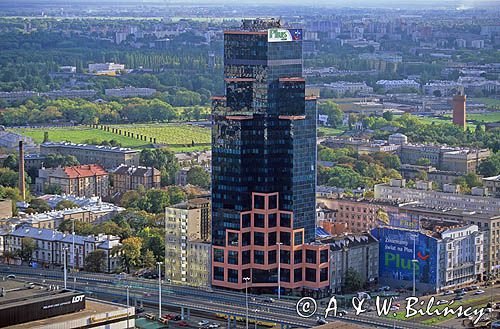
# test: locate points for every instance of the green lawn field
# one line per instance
(180, 135)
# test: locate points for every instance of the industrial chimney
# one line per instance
(22, 180)
(459, 112)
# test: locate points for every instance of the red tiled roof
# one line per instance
(85, 171)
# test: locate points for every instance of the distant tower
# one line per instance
(459, 114)
(22, 181)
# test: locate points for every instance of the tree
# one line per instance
(148, 260)
(155, 201)
(176, 195)
(130, 199)
(353, 281)
(8, 177)
(164, 160)
(28, 246)
(53, 189)
(199, 177)
(131, 252)
(40, 205)
(388, 115)
(11, 162)
(66, 204)
(491, 166)
(95, 261)
(332, 109)
(423, 162)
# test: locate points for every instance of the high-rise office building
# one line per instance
(263, 164)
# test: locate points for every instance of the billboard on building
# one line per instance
(283, 35)
(396, 252)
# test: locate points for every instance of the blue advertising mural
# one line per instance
(396, 254)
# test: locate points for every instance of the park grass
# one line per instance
(327, 131)
(490, 103)
(78, 134)
(493, 116)
(180, 135)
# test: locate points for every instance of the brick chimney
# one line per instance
(459, 112)
(22, 180)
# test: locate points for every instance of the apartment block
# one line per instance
(187, 246)
(82, 181)
(129, 178)
(51, 245)
(105, 156)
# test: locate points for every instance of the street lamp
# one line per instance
(246, 279)
(159, 289)
(279, 269)
(65, 249)
(414, 262)
(73, 244)
(255, 318)
(128, 306)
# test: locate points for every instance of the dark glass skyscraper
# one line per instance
(263, 156)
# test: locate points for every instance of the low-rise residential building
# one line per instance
(83, 180)
(106, 156)
(89, 213)
(443, 88)
(10, 141)
(487, 222)
(343, 87)
(493, 185)
(130, 92)
(396, 190)
(357, 252)
(444, 258)
(388, 85)
(129, 178)
(360, 215)
(52, 246)
(105, 67)
(187, 242)
(440, 177)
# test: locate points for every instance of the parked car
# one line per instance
(11, 276)
(150, 316)
(458, 297)
(139, 310)
(342, 312)
(321, 321)
(203, 323)
(176, 318)
(479, 292)
(182, 324)
(442, 301)
(448, 292)
(213, 325)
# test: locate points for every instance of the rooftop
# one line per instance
(89, 147)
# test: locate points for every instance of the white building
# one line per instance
(130, 92)
(463, 255)
(51, 246)
(105, 67)
(342, 87)
(445, 88)
(398, 84)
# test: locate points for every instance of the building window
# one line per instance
(271, 239)
(232, 275)
(323, 255)
(273, 202)
(245, 220)
(298, 238)
(271, 220)
(297, 259)
(285, 238)
(258, 257)
(323, 274)
(285, 220)
(258, 238)
(285, 275)
(219, 273)
(311, 274)
(271, 257)
(311, 256)
(245, 255)
(232, 257)
(219, 255)
(297, 275)
(284, 256)
(245, 239)
(258, 220)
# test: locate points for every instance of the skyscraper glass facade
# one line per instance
(264, 133)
